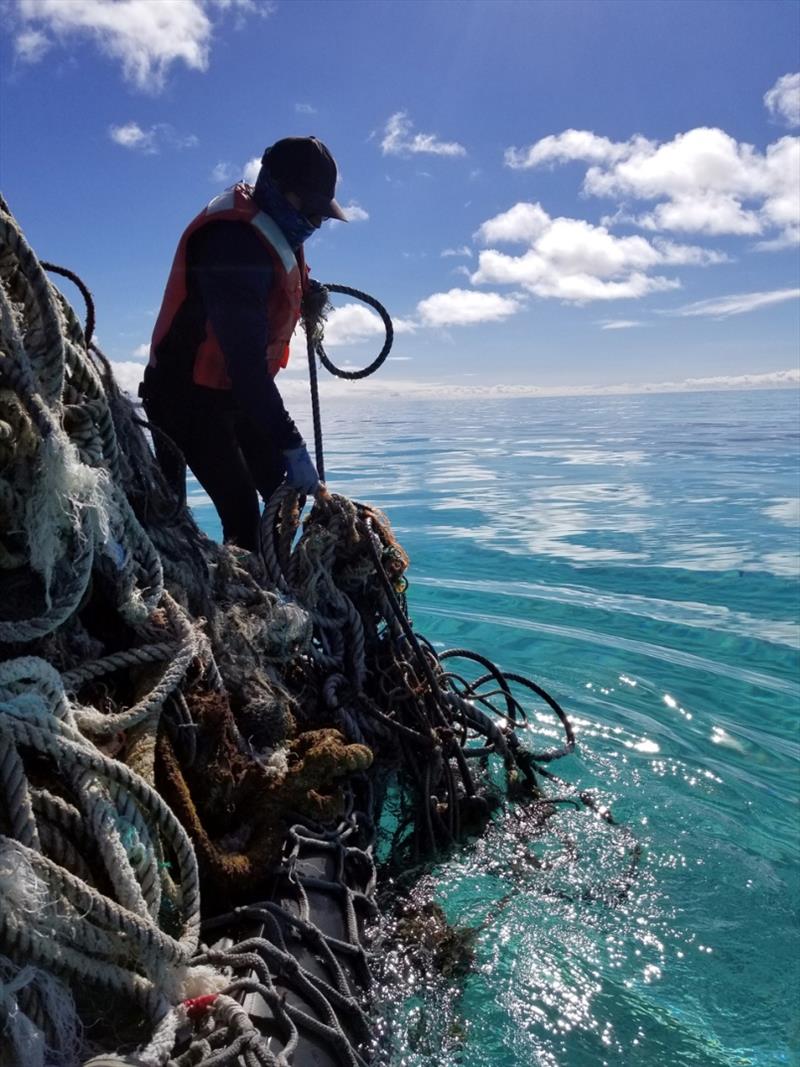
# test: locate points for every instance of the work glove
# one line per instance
(301, 474)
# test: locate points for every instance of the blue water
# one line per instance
(637, 556)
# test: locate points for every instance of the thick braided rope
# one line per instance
(182, 654)
(27, 718)
(26, 733)
(45, 338)
(16, 367)
(28, 944)
(155, 652)
(17, 796)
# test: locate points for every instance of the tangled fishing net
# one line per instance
(202, 750)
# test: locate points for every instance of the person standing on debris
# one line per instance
(232, 301)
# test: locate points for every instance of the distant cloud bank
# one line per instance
(129, 373)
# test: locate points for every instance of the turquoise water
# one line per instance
(638, 557)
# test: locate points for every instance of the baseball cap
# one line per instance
(303, 165)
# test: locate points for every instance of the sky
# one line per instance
(546, 196)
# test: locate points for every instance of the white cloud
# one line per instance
(305, 109)
(223, 172)
(128, 374)
(618, 324)
(523, 222)
(398, 140)
(382, 387)
(783, 99)
(702, 181)
(574, 260)
(465, 307)
(565, 147)
(142, 351)
(147, 36)
(723, 307)
(352, 323)
(262, 8)
(31, 45)
(462, 251)
(131, 135)
(354, 212)
(790, 238)
(251, 169)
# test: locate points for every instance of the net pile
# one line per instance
(202, 750)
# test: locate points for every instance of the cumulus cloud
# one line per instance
(131, 135)
(466, 307)
(722, 307)
(462, 251)
(354, 212)
(251, 169)
(564, 148)
(783, 99)
(31, 45)
(150, 141)
(128, 373)
(399, 140)
(352, 323)
(702, 181)
(574, 260)
(142, 351)
(223, 172)
(146, 37)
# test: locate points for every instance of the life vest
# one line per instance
(282, 302)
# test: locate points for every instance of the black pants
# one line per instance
(233, 459)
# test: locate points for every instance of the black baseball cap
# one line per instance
(303, 165)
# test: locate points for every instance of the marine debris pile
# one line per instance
(199, 748)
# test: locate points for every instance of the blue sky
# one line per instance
(556, 195)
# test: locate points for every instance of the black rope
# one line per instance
(354, 375)
(315, 411)
(88, 329)
(313, 317)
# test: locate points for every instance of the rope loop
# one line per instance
(354, 375)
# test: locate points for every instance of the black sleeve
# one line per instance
(233, 272)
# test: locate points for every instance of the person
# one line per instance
(232, 301)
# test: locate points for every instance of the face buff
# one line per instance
(295, 226)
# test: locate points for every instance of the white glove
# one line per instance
(301, 473)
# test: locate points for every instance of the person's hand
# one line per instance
(301, 474)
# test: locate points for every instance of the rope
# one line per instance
(88, 330)
(314, 309)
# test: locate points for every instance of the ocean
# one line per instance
(638, 557)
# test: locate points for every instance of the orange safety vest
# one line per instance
(283, 300)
